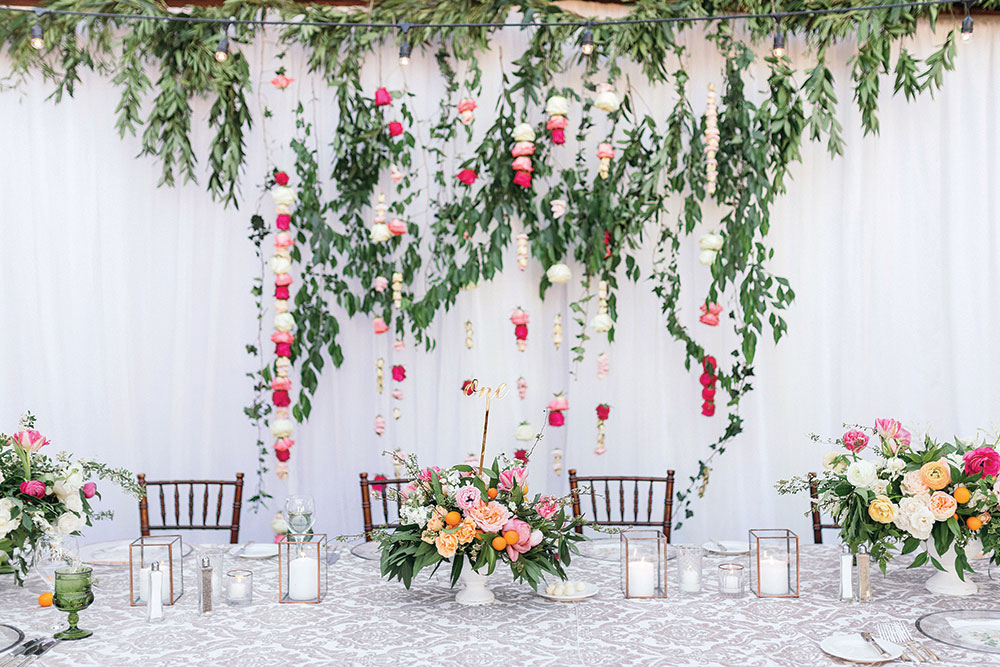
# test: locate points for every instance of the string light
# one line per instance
(967, 25)
(404, 48)
(37, 34)
(588, 41)
(778, 50)
(222, 52)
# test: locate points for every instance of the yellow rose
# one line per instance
(447, 544)
(882, 510)
(936, 474)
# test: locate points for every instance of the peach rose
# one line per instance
(466, 531)
(913, 484)
(447, 544)
(435, 523)
(943, 506)
(882, 510)
(936, 474)
(489, 517)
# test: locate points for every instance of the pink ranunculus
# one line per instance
(281, 292)
(466, 104)
(283, 240)
(558, 136)
(522, 149)
(380, 283)
(283, 280)
(33, 488)
(398, 373)
(281, 82)
(605, 151)
(708, 394)
(523, 531)
(547, 506)
(283, 444)
(520, 317)
(282, 337)
(467, 176)
(397, 227)
(556, 123)
(395, 128)
(708, 408)
(380, 326)
(558, 403)
(89, 490)
(855, 440)
(556, 418)
(283, 222)
(29, 440)
(279, 383)
(282, 455)
(281, 178)
(523, 179)
(522, 163)
(468, 497)
(382, 97)
(984, 462)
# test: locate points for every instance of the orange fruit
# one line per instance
(45, 599)
(499, 543)
(492, 493)
(511, 537)
(973, 523)
(453, 518)
(962, 495)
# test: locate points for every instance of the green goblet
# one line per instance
(5, 566)
(73, 594)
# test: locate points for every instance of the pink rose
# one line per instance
(466, 104)
(381, 283)
(556, 123)
(984, 462)
(467, 176)
(523, 179)
(520, 317)
(281, 82)
(29, 440)
(605, 151)
(558, 136)
(397, 227)
(398, 373)
(511, 478)
(547, 506)
(33, 488)
(522, 148)
(89, 490)
(523, 531)
(279, 383)
(558, 403)
(283, 280)
(395, 128)
(468, 497)
(556, 418)
(855, 440)
(382, 97)
(380, 326)
(522, 163)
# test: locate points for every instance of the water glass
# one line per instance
(239, 587)
(732, 582)
(689, 561)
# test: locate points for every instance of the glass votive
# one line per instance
(689, 560)
(239, 587)
(731, 580)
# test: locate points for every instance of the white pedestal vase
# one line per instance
(948, 581)
(475, 590)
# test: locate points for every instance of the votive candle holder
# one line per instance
(732, 580)
(643, 564)
(239, 588)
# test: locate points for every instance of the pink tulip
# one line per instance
(380, 326)
(29, 440)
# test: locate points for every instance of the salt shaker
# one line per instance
(154, 606)
(846, 575)
(205, 587)
(864, 576)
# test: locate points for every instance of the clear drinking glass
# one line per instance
(689, 561)
(732, 581)
(299, 514)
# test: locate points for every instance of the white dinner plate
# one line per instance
(854, 648)
(112, 553)
(608, 549)
(588, 592)
(732, 548)
(257, 550)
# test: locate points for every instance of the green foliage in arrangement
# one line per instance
(655, 189)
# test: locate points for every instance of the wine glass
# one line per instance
(73, 595)
(51, 555)
(299, 515)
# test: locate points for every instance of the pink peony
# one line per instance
(382, 97)
(29, 440)
(467, 176)
(380, 283)
(523, 179)
(397, 227)
(395, 128)
(283, 222)
(33, 488)
(855, 440)
(523, 148)
(380, 326)
(512, 477)
(522, 163)
(558, 403)
(523, 531)
(984, 462)
(468, 497)
(605, 151)
(89, 490)
(556, 123)
(558, 136)
(281, 82)
(547, 506)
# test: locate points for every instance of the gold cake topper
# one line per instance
(473, 388)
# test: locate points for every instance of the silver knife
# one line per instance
(881, 651)
(21, 650)
(39, 651)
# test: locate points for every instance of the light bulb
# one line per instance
(37, 36)
(222, 53)
(966, 28)
(779, 45)
(404, 54)
(588, 42)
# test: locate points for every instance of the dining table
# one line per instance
(365, 620)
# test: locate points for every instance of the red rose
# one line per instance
(558, 136)
(283, 222)
(709, 364)
(281, 399)
(707, 379)
(523, 178)
(521, 455)
(282, 349)
(521, 332)
(398, 373)
(603, 410)
(467, 176)
(281, 178)
(395, 128)
(282, 454)
(281, 292)
(556, 418)
(708, 408)
(382, 97)
(708, 394)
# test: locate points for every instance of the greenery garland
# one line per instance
(656, 159)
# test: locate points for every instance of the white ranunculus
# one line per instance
(524, 432)
(833, 460)
(284, 322)
(862, 474)
(7, 524)
(707, 257)
(880, 487)
(280, 264)
(558, 208)
(70, 522)
(921, 523)
(601, 323)
(607, 100)
(559, 273)
(557, 105)
(894, 467)
(523, 132)
(73, 502)
(380, 232)
(283, 195)
(282, 428)
(710, 242)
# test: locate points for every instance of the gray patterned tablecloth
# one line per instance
(366, 621)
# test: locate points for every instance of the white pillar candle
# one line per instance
(144, 584)
(773, 575)
(239, 588)
(690, 580)
(641, 578)
(302, 579)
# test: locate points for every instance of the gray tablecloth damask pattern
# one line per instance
(367, 621)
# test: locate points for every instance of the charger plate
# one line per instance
(9, 637)
(971, 629)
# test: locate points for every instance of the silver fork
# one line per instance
(888, 632)
(907, 637)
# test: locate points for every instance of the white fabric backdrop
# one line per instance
(127, 307)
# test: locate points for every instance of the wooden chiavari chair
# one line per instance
(817, 520)
(390, 518)
(233, 526)
(608, 518)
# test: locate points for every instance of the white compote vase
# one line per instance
(474, 589)
(947, 582)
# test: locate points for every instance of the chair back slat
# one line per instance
(817, 520)
(233, 526)
(607, 517)
(389, 521)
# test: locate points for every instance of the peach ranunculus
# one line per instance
(936, 474)
(490, 517)
(943, 505)
(447, 544)
(882, 509)
(466, 531)
(913, 484)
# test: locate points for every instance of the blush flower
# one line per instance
(468, 497)
(380, 283)
(490, 517)
(397, 227)
(984, 462)
(942, 505)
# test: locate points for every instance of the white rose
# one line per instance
(602, 323)
(280, 264)
(707, 257)
(523, 132)
(710, 242)
(921, 523)
(861, 474)
(380, 232)
(524, 432)
(559, 273)
(282, 428)
(70, 522)
(833, 460)
(558, 208)
(894, 467)
(284, 322)
(7, 524)
(557, 105)
(913, 484)
(283, 195)
(279, 525)
(607, 100)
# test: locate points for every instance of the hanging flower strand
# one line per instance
(520, 321)
(522, 251)
(711, 140)
(602, 322)
(380, 231)
(468, 334)
(557, 330)
(522, 388)
(524, 148)
(557, 107)
(605, 152)
(380, 374)
(465, 108)
(397, 290)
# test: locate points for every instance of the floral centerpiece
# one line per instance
(939, 495)
(44, 499)
(482, 517)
